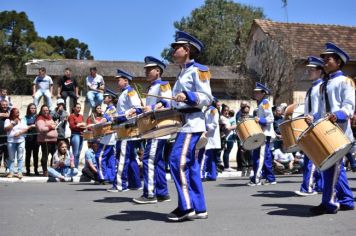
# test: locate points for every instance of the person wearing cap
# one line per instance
(243, 157)
(154, 175)
(312, 182)
(262, 157)
(207, 155)
(60, 116)
(191, 92)
(128, 106)
(105, 154)
(96, 87)
(338, 105)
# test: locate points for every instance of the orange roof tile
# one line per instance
(309, 39)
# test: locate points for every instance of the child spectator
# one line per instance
(63, 164)
(4, 96)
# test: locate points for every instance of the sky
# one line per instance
(129, 30)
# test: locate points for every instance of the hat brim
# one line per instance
(151, 65)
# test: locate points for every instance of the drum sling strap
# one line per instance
(309, 99)
(326, 97)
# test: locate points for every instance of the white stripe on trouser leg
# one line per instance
(260, 163)
(310, 181)
(182, 164)
(202, 164)
(120, 167)
(100, 162)
(337, 167)
(151, 167)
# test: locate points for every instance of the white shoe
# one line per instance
(253, 184)
(304, 194)
(229, 169)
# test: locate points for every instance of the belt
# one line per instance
(189, 110)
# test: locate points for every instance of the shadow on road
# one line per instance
(138, 215)
(274, 194)
(289, 210)
(114, 199)
(91, 189)
(231, 185)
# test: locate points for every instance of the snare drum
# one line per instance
(250, 134)
(88, 135)
(290, 131)
(128, 129)
(324, 143)
(102, 129)
(155, 124)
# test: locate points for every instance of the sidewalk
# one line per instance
(80, 178)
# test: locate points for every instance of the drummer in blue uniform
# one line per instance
(105, 155)
(262, 157)
(154, 174)
(338, 105)
(191, 92)
(312, 182)
(128, 106)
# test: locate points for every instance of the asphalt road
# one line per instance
(233, 207)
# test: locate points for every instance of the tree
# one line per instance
(69, 49)
(41, 49)
(223, 27)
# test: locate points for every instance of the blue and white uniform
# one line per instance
(312, 180)
(207, 156)
(105, 155)
(154, 174)
(340, 92)
(262, 156)
(128, 169)
(194, 81)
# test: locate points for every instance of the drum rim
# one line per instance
(243, 142)
(170, 126)
(350, 144)
(290, 120)
(246, 119)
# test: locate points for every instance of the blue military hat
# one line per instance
(183, 38)
(122, 73)
(151, 61)
(331, 48)
(261, 87)
(109, 92)
(315, 61)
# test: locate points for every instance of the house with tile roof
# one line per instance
(296, 41)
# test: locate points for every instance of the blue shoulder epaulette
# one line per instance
(201, 67)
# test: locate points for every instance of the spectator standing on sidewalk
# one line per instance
(47, 136)
(15, 141)
(4, 114)
(31, 144)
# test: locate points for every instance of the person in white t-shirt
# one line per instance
(15, 141)
(42, 86)
(96, 87)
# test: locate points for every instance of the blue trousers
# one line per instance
(106, 162)
(262, 163)
(312, 180)
(207, 159)
(154, 174)
(185, 171)
(128, 172)
(336, 190)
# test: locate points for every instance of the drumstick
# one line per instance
(156, 96)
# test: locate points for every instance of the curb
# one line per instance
(80, 179)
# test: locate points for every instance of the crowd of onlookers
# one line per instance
(58, 133)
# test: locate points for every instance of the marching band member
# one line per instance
(128, 105)
(262, 157)
(312, 182)
(105, 155)
(207, 156)
(338, 105)
(154, 174)
(191, 92)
